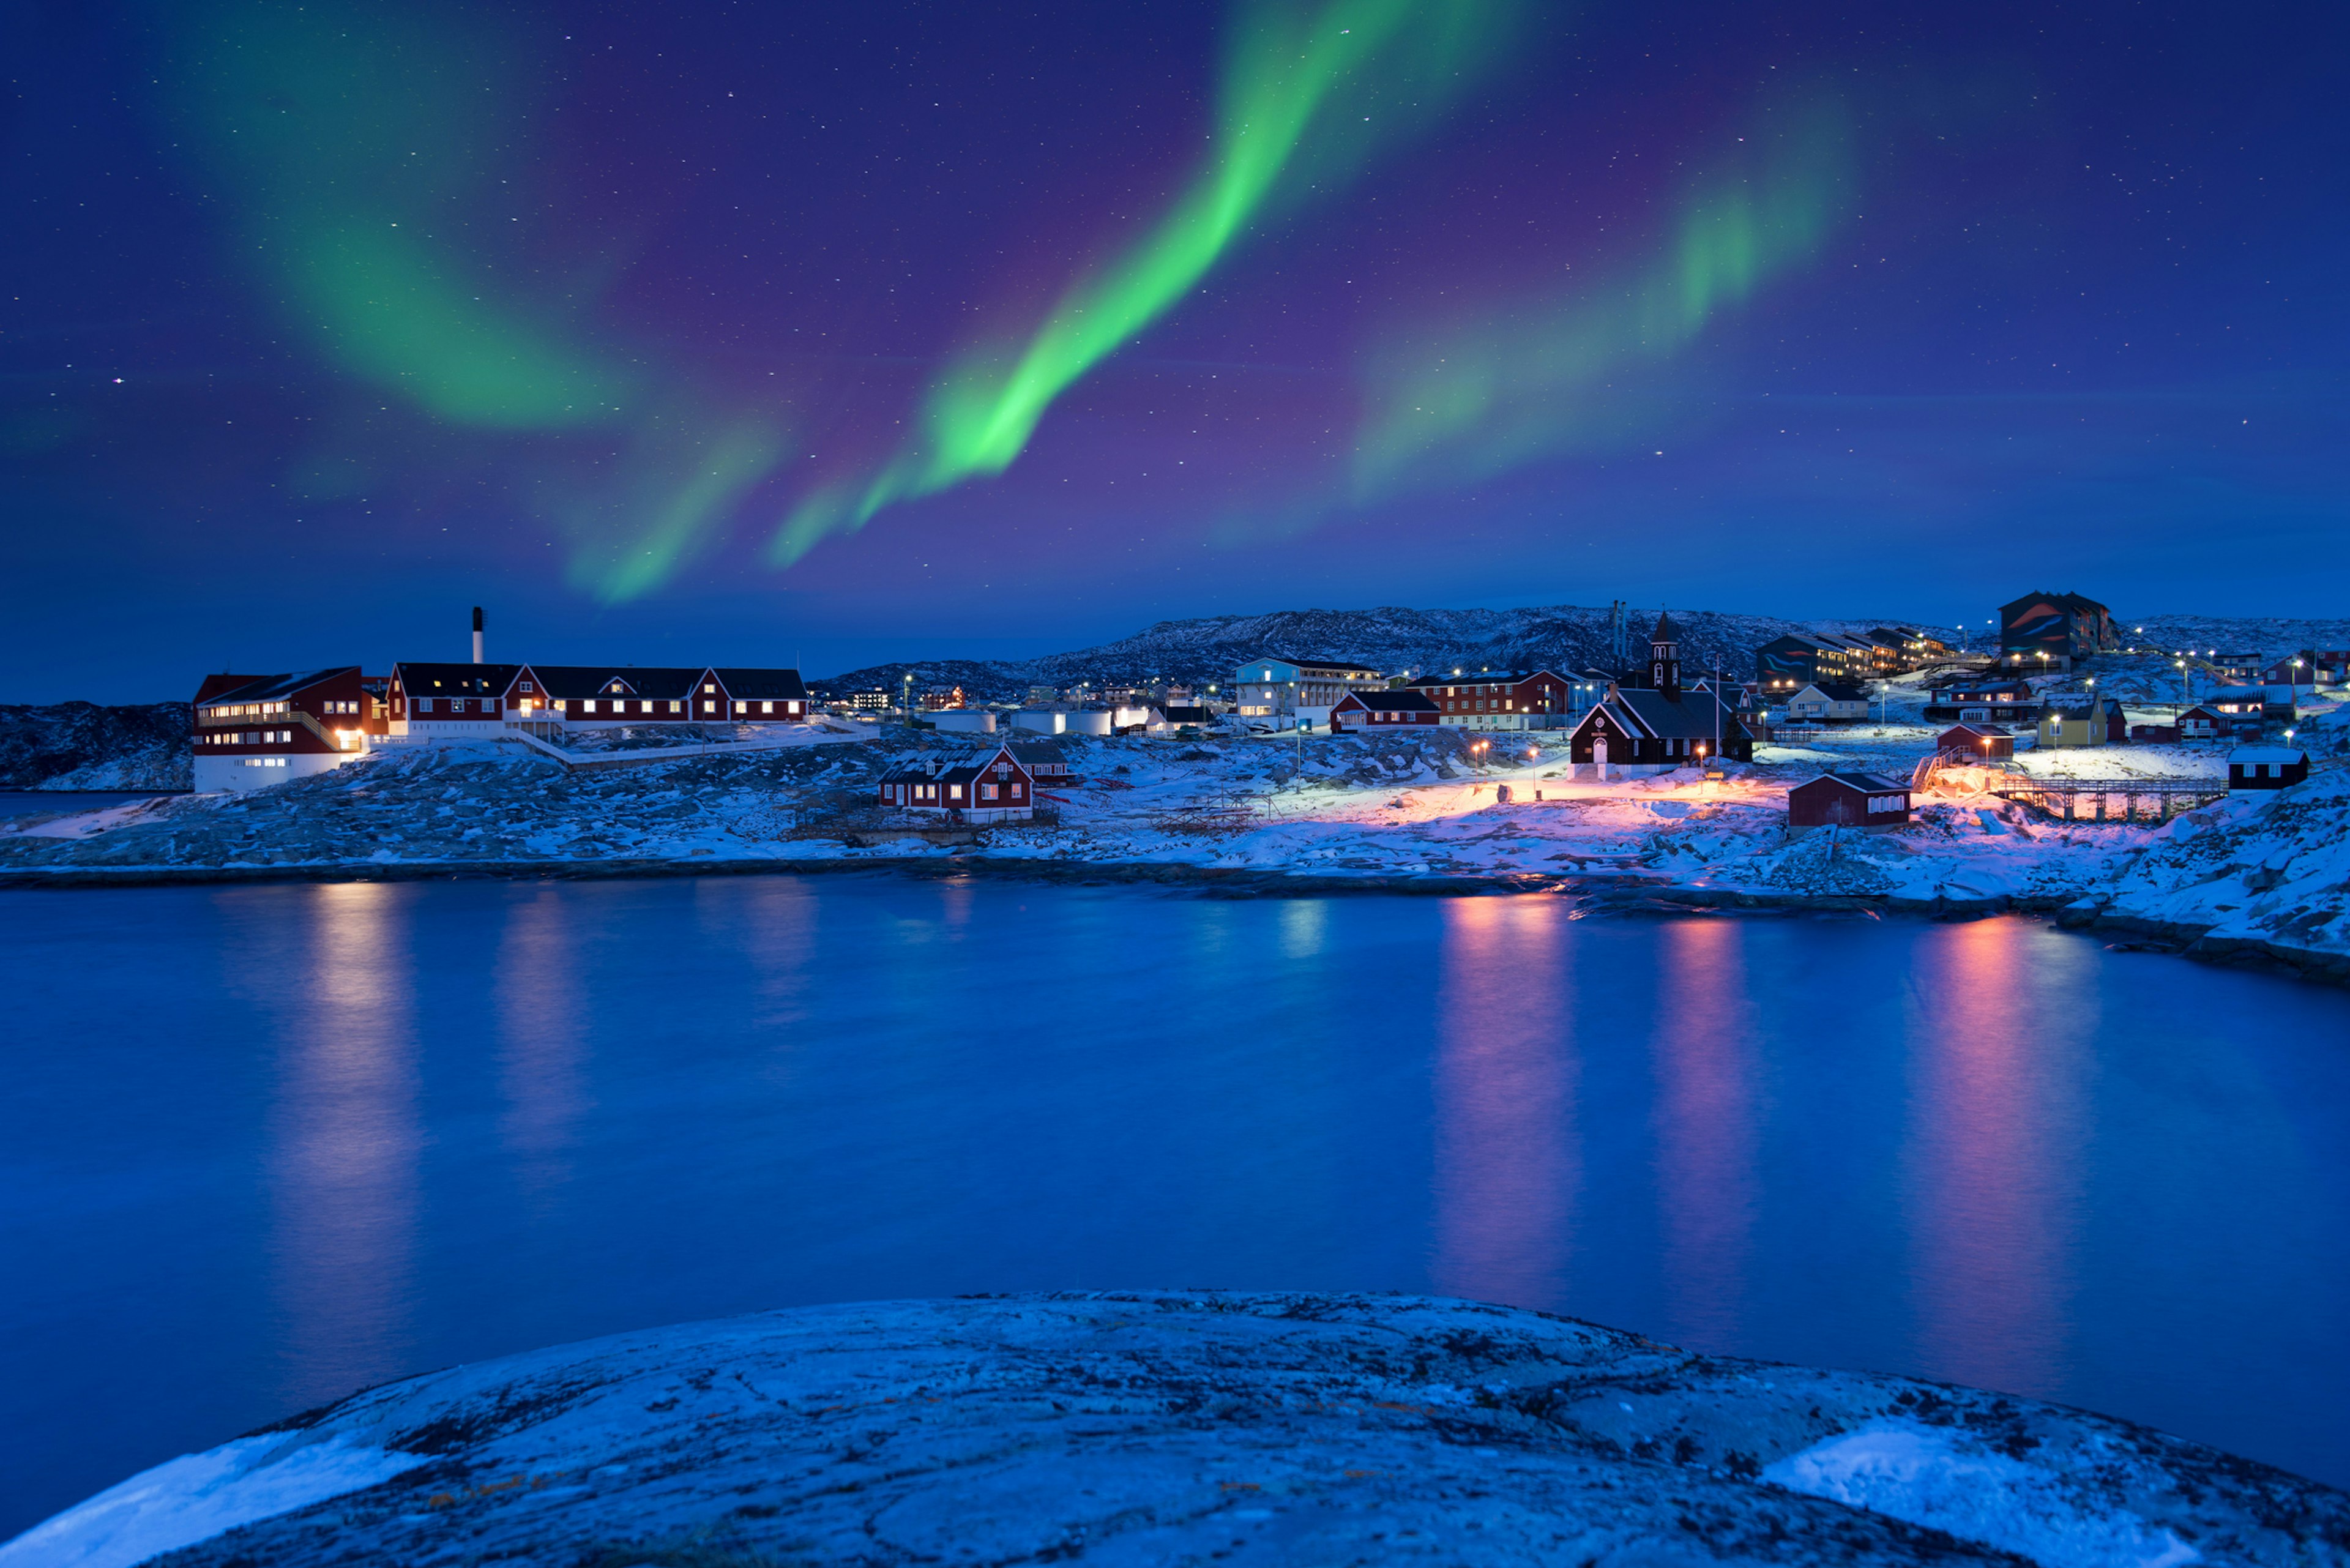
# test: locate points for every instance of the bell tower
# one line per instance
(1665, 659)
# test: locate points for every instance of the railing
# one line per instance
(2061, 798)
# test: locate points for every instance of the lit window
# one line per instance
(766, 707)
(589, 704)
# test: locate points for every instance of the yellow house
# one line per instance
(2094, 725)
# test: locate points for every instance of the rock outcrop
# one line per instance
(1188, 1427)
(80, 746)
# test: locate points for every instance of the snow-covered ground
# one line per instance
(1404, 812)
(1185, 1427)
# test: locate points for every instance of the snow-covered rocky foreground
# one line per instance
(1187, 1427)
(2261, 878)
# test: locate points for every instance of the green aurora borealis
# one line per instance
(1306, 97)
(324, 314)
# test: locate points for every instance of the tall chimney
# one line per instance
(477, 634)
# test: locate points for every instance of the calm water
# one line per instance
(266, 1145)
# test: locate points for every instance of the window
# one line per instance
(424, 704)
(526, 686)
(677, 707)
(766, 707)
(707, 690)
(589, 704)
(644, 705)
(987, 792)
(954, 791)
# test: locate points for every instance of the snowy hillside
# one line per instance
(80, 746)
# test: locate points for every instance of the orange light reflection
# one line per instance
(1508, 1166)
(1995, 1160)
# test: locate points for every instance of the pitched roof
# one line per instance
(269, 688)
(1032, 752)
(1868, 783)
(224, 683)
(616, 681)
(1836, 691)
(1642, 711)
(2268, 755)
(1488, 677)
(766, 683)
(977, 763)
(1313, 663)
(1401, 700)
(1665, 631)
(455, 679)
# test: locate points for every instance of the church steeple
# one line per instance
(1665, 659)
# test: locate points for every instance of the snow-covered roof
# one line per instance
(1868, 783)
(269, 688)
(2268, 755)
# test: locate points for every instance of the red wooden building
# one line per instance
(257, 730)
(1375, 710)
(1848, 800)
(742, 696)
(451, 702)
(1660, 725)
(1975, 741)
(989, 785)
(606, 696)
(1500, 698)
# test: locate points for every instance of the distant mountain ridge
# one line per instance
(1391, 638)
(1563, 636)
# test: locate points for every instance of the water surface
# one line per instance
(266, 1145)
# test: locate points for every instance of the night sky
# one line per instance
(762, 333)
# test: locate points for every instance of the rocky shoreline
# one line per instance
(2260, 883)
(1188, 1426)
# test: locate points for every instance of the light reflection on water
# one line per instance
(1508, 1167)
(345, 1142)
(1708, 1129)
(1996, 1044)
(271, 1144)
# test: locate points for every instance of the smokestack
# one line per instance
(477, 634)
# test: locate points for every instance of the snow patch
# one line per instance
(1928, 1476)
(198, 1496)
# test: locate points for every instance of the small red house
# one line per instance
(2266, 767)
(991, 786)
(1976, 742)
(2201, 724)
(1374, 710)
(1848, 800)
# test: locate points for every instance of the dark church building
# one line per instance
(1660, 725)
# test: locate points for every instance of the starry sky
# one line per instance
(820, 334)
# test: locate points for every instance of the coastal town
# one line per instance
(2064, 768)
